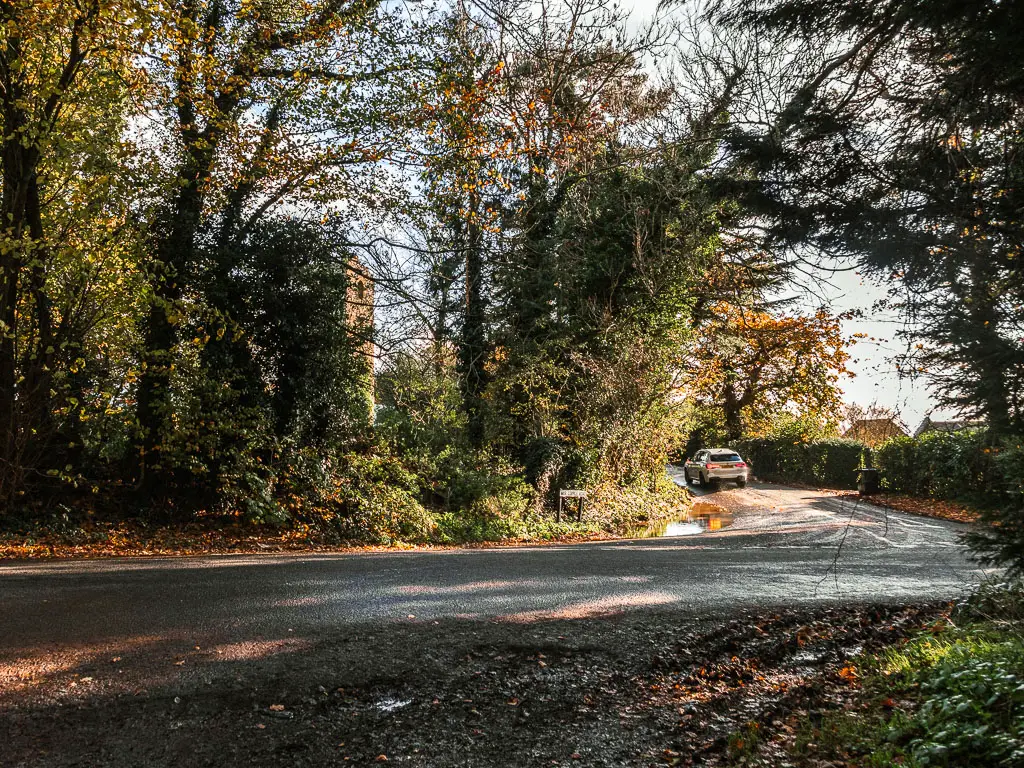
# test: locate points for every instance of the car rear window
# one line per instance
(725, 457)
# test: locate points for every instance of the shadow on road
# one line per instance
(604, 691)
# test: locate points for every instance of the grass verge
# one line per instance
(952, 695)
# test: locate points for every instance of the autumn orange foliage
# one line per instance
(752, 364)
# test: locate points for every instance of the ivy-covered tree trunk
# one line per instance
(532, 291)
(12, 209)
(472, 349)
(733, 410)
(173, 252)
(26, 352)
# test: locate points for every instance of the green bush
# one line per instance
(774, 459)
(943, 465)
(831, 462)
(632, 510)
(1001, 541)
(369, 497)
(1008, 468)
(898, 461)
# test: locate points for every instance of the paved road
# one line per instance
(784, 546)
(176, 662)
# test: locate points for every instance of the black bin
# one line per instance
(867, 481)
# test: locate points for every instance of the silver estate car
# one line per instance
(712, 465)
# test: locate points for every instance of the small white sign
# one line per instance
(570, 494)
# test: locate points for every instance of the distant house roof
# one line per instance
(927, 425)
(875, 431)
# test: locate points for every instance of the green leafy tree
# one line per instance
(261, 103)
(66, 76)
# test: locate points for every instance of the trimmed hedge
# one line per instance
(829, 463)
(953, 465)
(941, 465)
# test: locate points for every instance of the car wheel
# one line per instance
(704, 482)
(741, 483)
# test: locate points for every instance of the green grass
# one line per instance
(453, 528)
(743, 744)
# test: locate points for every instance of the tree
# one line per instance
(749, 364)
(522, 111)
(900, 149)
(64, 71)
(261, 103)
(460, 176)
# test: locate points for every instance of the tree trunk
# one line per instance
(39, 371)
(19, 167)
(472, 349)
(173, 249)
(732, 407)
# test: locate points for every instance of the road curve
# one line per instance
(785, 546)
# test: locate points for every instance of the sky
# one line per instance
(875, 380)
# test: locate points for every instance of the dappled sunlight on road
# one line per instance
(414, 590)
(94, 630)
(594, 608)
(248, 650)
(92, 672)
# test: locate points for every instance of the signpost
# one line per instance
(568, 493)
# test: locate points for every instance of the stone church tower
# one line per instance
(359, 316)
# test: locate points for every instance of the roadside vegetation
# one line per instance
(952, 695)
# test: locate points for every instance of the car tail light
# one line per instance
(714, 466)
(739, 464)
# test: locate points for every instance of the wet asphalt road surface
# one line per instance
(784, 547)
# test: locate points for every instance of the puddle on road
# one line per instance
(703, 518)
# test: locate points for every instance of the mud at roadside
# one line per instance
(636, 689)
